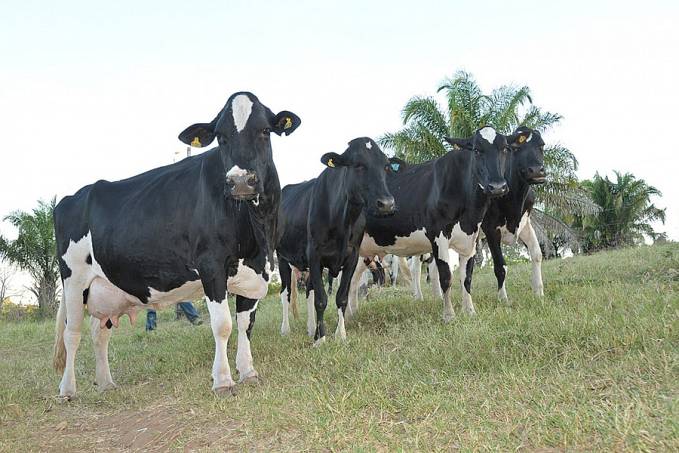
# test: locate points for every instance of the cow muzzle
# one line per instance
(496, 189)
(385, 205)
(243, 185)
(536, 175)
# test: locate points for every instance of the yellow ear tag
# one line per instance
(330, 163)
(196, 143)
(288, 124)
(522, 139)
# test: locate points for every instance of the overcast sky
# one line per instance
(100, 89)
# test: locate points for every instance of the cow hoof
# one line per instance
(253, 379)
(448, 317)
(65, 398)
(227, 391)
(105, 387)
(319, 342)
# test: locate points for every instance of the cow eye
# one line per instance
(359, 166)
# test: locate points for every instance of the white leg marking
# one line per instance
(220, 320)
(285, 327)
(530, 239)
(467, 305)
(340, 332)
(352, 304)
(416, 273)
(502, 294)
(311, 315)
(435, 279)
(244, 364)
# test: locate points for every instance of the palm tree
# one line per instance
(505, 108)
(35, 252)
(626, 212)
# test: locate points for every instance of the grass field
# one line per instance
(592, 366)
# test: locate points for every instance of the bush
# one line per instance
(18, 312)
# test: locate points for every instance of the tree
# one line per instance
(35, 252)
(625, 215)
(6, 274)
(505, 108)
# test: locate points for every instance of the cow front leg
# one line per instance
(320, 298)
(416, 273)
(499, 263)
(72, 316)
(466, 270)
(435, 278)
(221, 323)
(529, 238)
(100, 339)
(346, 276)
(245, 316)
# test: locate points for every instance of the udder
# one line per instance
(106, 302)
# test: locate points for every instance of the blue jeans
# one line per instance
(187, 307)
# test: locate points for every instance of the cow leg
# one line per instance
(416, 273)
(352, 305)
(435, 279)
(529, 238)
(405, 270)
(100, 339)
(441, 255)
(245, 316)
(286, 291)
(342, 295)
(221, 323)
(310, 309)
(320, 296)
(466, 270)
(74, 316)
(499, 263)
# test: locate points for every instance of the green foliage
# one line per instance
(35, 252)
(625, 215)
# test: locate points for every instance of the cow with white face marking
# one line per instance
(441, 205)
(508, 218)
(325, 224)
(205, 225)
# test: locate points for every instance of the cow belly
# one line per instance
(509, 238)
(248, 283)
(414, 244)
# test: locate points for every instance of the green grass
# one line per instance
(592, 366)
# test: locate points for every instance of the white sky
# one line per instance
(100, 89)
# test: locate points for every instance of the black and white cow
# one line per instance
(441, 205)
(205, 225)
(508, 217)
(325, 224)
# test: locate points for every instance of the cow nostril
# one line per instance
(252, 180)
(231, 183)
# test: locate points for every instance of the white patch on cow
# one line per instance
(502, 293)
(368, 145)
(221, 323)
(255, 201)
(244, 364)
(488, 133)
(235, 171)
(416, 243)
(481, 186)
(341, 331)
(248, 283)
(241, 106)
(509, 238)
(442, 243)
(530, 136)
(463, 243)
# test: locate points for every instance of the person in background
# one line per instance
(187, 307)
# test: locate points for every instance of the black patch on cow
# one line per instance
(109, 324)
(85, 294)
(252, 323)
(88, 260)
(468, 276)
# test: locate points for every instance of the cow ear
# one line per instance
(517, 139)
(285, 123)
(198, 135)
(333, 160)
(396, 165)
(460, 143)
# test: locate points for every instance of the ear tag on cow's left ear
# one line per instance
(331, 163)
(196, 143)
(395, 166)
(288, 123)
(522, 139)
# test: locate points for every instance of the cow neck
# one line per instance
(332, 184)
(460, 162)
(518, 189)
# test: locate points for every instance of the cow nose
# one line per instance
(536, 172)
(385, 205)
(242, 184)
(497, 188)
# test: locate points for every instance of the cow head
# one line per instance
(243, 129)
(489, 152)
(366, 168)
(526, 148)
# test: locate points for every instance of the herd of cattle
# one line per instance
(210, 224)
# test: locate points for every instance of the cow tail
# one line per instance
(293, 299)
(59, 360)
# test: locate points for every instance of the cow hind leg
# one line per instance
(352, 304)
(286, 291)
(221, 323)
(245, 316)
(416, 273)
(100, 339)
(435, 279)
(466, 270)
